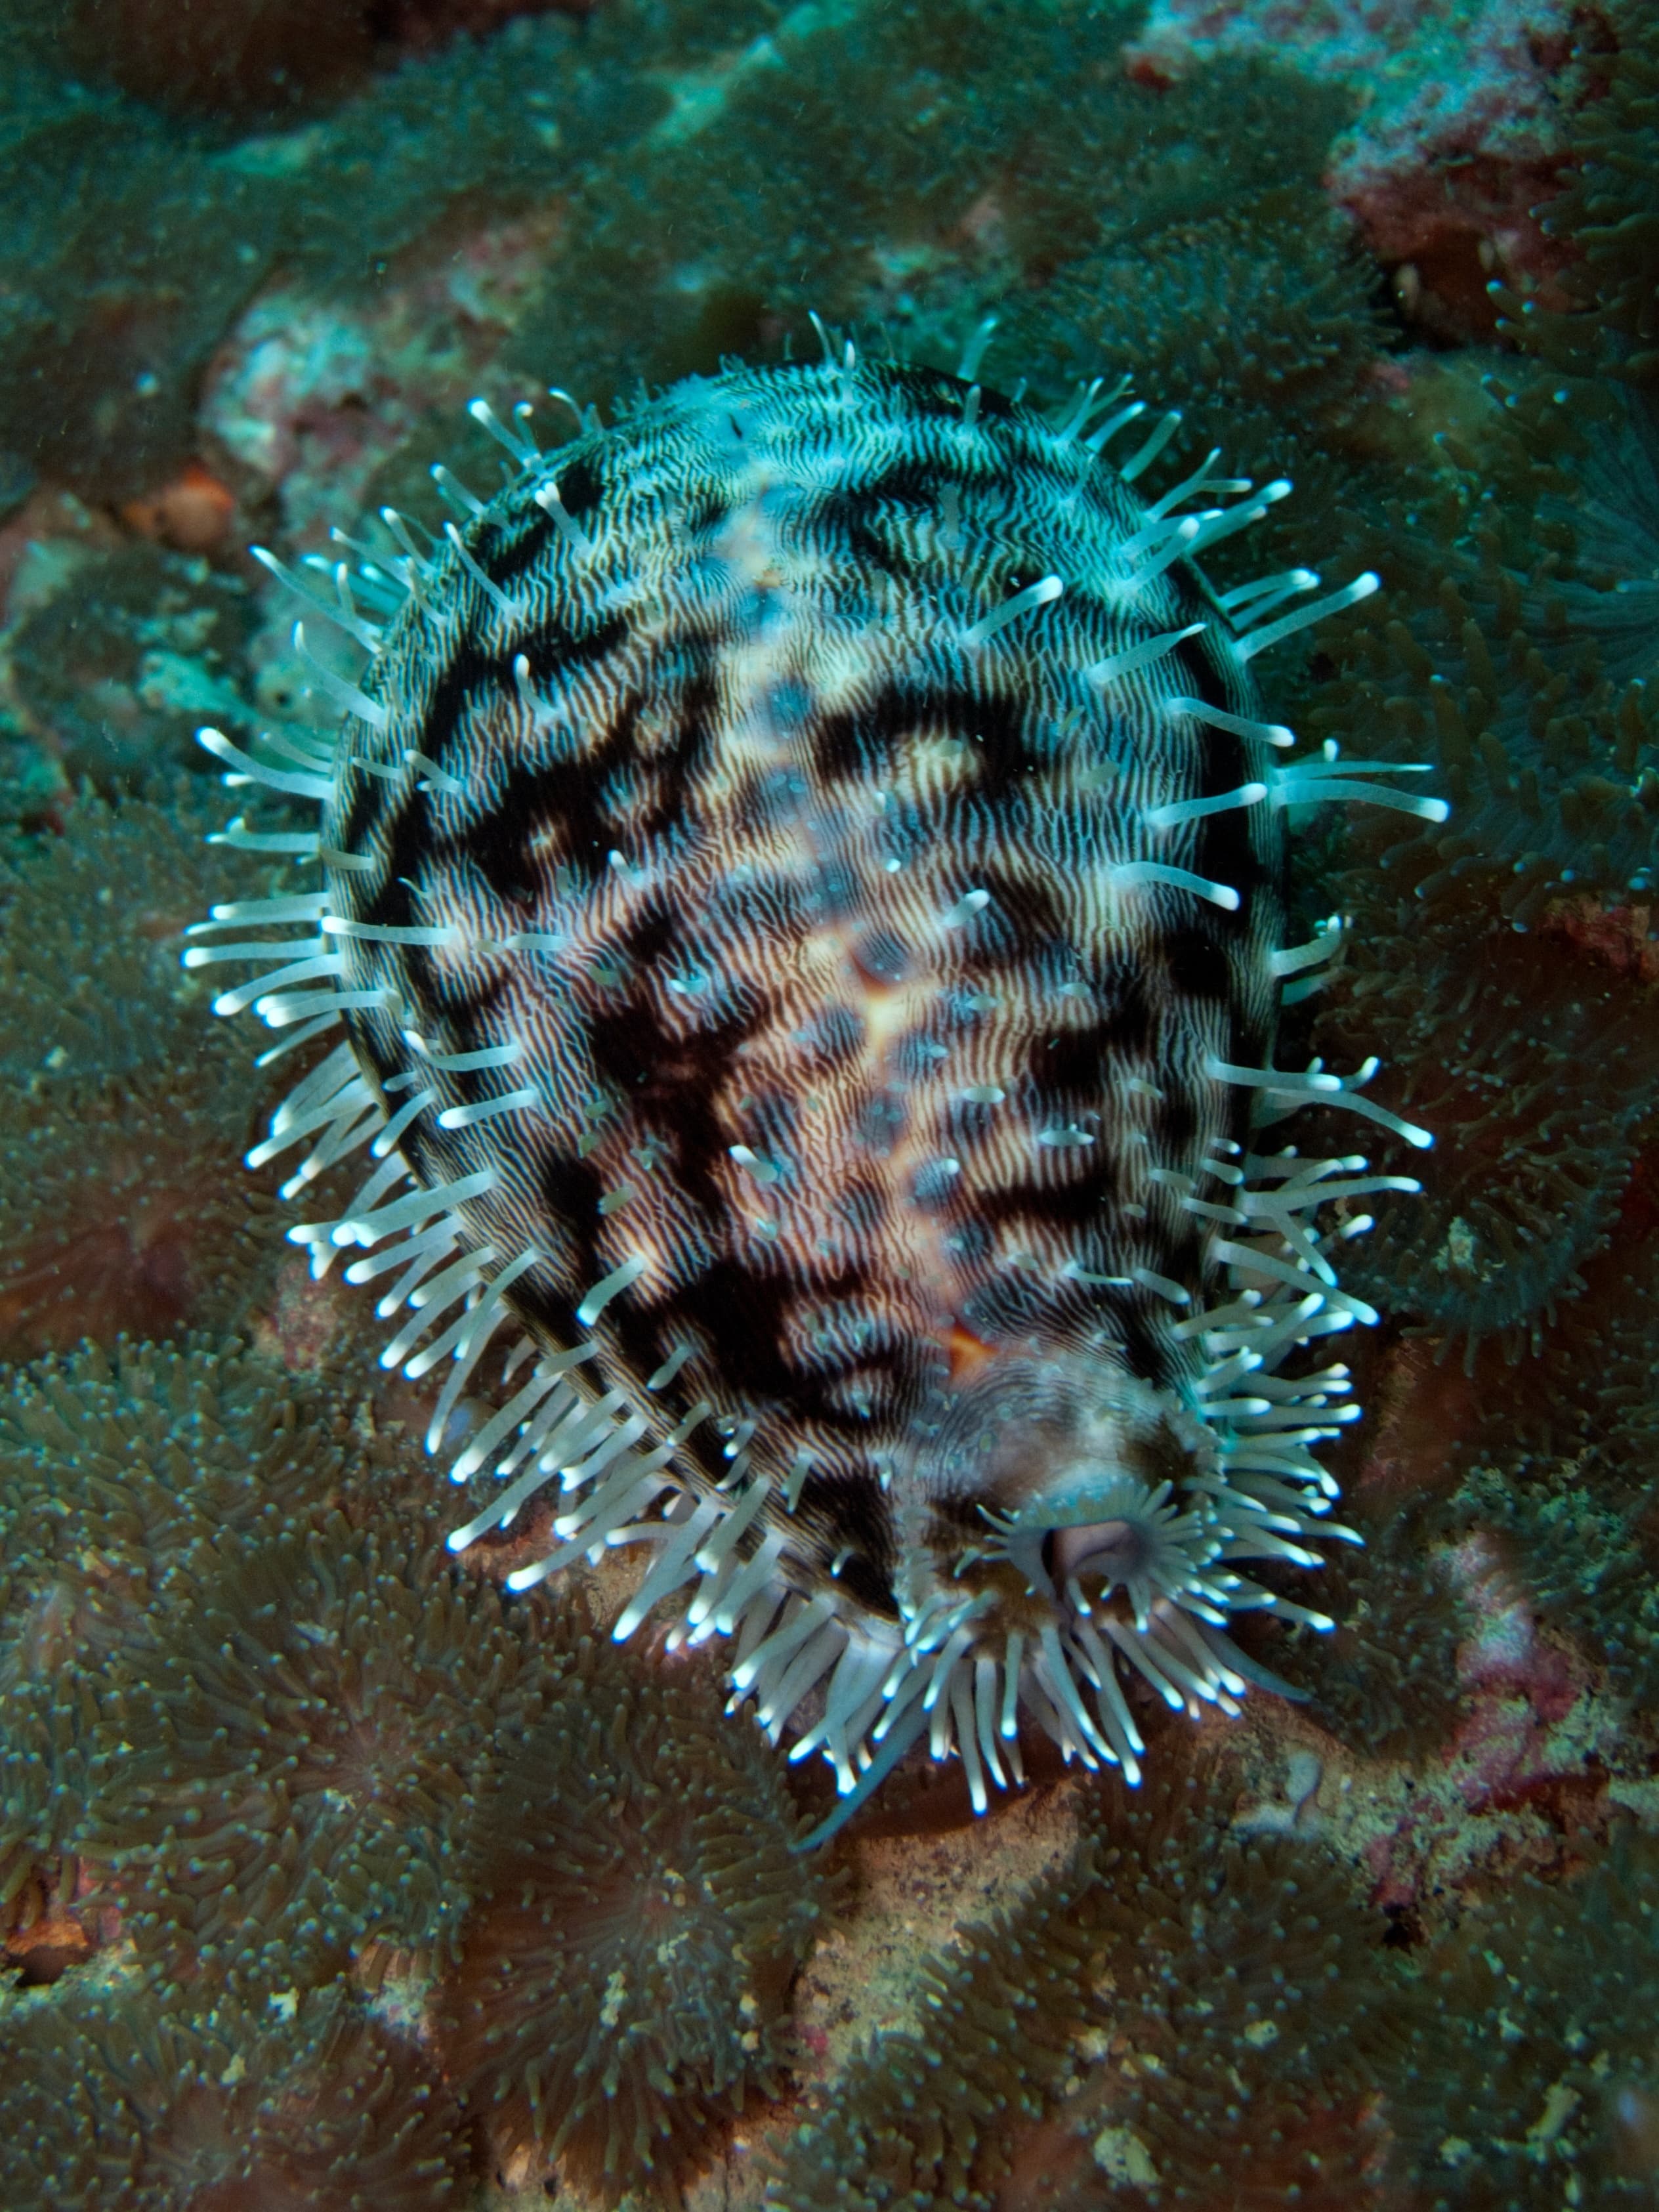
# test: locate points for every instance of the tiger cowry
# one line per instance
(805, 879)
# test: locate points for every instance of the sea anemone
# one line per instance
(638, 1912)
(1610, 508)
(127, 2099)
(1182, 2014)
(94, 919)
(119, 1116)
(1261, 328)
(1536, 1065)
(923, 2119)
(287, 1756)
(44, 1724)
(1385, 1680)
(110, 1468)
(114, 1217)
(1531, 2050)
(114, 1464)
(1566, 1470)
(109, 669)
(1549, 765)
(1241, 1983)
(1513, 662)
(1606, 211)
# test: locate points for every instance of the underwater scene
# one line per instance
(828, 833)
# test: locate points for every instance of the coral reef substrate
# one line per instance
(299, 1822)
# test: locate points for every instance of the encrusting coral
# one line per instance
(638, 1911)
(259, 59)
(139, 238)
(1587, 1549)
(912, 168)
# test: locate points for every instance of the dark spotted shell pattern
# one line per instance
(801, 931)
